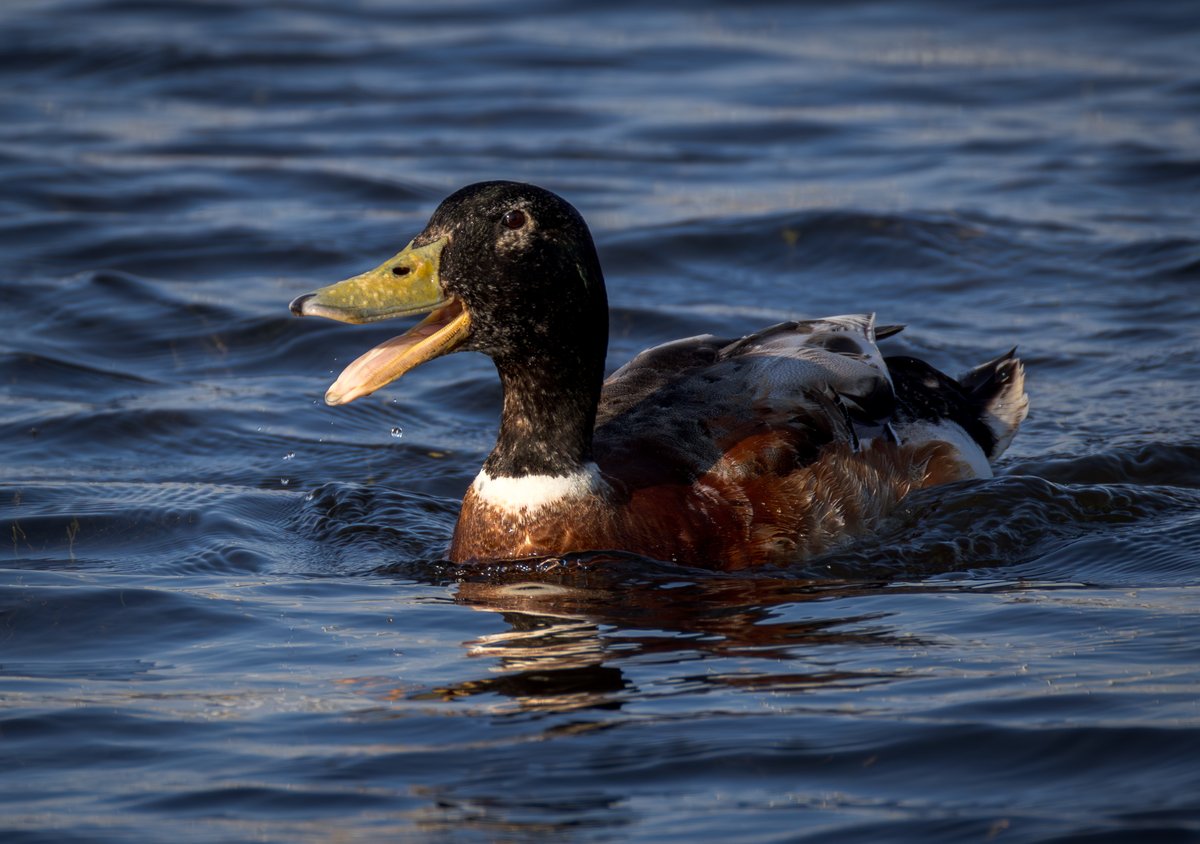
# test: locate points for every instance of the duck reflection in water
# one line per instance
(576, 631)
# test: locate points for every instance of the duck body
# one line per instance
(721, 453)
(762, 450)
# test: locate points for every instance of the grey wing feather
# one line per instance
(824, 376)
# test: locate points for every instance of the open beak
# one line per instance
(401, 286)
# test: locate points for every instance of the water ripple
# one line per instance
(223, 602)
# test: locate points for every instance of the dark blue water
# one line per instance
(223, 614)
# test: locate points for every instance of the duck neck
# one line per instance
(548, 416)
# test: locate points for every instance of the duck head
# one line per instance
(502, 268)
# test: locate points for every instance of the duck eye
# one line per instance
(514, 219)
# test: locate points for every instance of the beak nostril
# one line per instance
(400, 271)
(297, 305)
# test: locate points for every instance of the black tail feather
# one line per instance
(982, 380)
(988, 402)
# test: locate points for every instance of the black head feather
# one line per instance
(524, 264)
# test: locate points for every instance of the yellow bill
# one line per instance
(405, 284)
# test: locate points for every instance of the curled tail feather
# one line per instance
(997, 389)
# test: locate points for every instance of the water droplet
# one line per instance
(397, 432)
(289, 455)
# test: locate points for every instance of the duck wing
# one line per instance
(770, 401)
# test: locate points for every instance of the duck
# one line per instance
(718, 453)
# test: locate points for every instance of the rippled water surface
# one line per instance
(223, 612)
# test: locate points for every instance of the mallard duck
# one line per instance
(721, 453)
